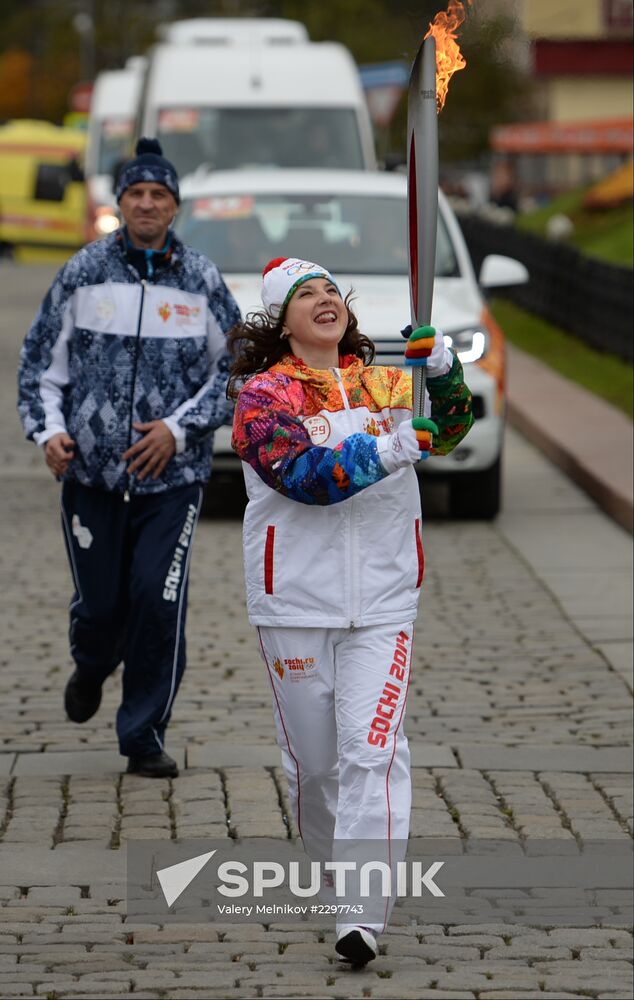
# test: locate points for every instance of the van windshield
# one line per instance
(114, 143)
(228, 138)
(354, 234)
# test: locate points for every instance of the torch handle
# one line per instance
(423, 198)
(419, 381)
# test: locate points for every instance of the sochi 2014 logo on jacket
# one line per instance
(184, 315)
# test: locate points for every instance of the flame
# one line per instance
(449, 58)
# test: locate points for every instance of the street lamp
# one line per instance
(84, 24)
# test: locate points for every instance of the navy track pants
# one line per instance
(130, 563)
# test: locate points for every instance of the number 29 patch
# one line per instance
(319, 428)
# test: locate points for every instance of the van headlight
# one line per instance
(470, 344)
(106, 220)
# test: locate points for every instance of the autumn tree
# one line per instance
(15, 83)
(42, 52)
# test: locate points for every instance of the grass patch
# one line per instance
(604, 233)
(603, 374)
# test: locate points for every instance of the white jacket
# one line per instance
(340, 561)
(330, 539)
(358, 562)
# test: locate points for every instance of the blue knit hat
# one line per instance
(149, 165)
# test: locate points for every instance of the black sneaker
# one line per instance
(157, 765)
(81, 699)
(357, 945)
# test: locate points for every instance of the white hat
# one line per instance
(281, 279)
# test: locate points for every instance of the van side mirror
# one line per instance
(51, 181)
(116, 170)
(75, 172)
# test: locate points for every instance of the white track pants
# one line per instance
(339, 704)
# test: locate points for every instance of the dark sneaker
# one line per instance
(357, 945)
(81, 700)
(157, 765)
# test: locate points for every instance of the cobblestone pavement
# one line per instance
(519, 719)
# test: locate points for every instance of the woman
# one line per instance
(333, 553)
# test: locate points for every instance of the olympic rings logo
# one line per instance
(299, 266)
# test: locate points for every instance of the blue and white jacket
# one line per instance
(109, 348)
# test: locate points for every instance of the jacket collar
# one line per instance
(294, 367)
(136, 257)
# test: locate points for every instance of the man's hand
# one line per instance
(152, 453)
(59, 451)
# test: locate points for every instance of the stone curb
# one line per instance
(590, 441)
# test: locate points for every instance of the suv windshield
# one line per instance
(357, 234)
(227, 138)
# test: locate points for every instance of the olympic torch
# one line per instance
(422, 200)
(436, 61)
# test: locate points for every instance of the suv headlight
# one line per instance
(470, 344)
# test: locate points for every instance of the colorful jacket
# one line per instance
(109, 348)
(330, 539)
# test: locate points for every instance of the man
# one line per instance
(122, 381)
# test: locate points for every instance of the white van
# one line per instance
(224, 103)
(245, 30)
(113, 112)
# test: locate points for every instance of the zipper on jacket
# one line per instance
(352, 546)
(135, 364)
(342, 388)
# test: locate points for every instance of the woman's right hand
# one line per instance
(410, 442)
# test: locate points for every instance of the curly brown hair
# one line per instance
(256, 345)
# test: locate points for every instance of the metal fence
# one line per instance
(586, 297)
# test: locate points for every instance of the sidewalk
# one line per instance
(519, 723)
(591, 441)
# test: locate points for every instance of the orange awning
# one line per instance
(611, 136)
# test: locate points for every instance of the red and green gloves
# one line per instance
(414, 438)
(426, 346)
(424, 428)
(408, 444)
(420, 344)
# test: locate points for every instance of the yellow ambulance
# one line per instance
(42, 191)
